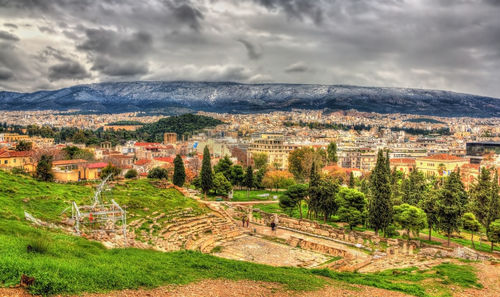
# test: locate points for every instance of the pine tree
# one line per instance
(207, 177)
(481, 197)
(494, 207)
(429, 205)
(249, 181)
(380, 214)
(179, 172)
(450, 204)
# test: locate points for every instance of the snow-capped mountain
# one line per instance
(236, 98)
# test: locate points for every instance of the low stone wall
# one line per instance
(317, 247)
(312, 227)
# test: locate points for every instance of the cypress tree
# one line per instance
(351, 180)
(179, 172)
(314, 191)
(249, 180)
(207, 177)
(494, 207)
(380, 214)
(332, 152)
(449, 205)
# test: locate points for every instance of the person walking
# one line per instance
(248, 222)
(273, 226)
(243, 220)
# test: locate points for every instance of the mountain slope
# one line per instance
(236, 97)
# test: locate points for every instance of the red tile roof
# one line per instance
(444, 157)
(13, 154)
(142, 162)
(147, 144)
(403, 161)
(165, 159)
(97, 165)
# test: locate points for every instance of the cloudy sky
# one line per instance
(436, 44)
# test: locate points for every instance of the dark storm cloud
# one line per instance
(184, 12)
(67, 70)
(5, 74)
(13, 26)
(298, 9)
(116, 68)
(252, 51)
(438, 44)
(8, 36)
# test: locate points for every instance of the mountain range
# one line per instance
(180, 97)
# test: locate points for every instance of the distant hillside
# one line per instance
(182, 97)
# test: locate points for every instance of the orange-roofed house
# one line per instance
(143, 165)
(440, 164)
(405, 165)
(15, 159)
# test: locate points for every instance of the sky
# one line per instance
(433, 44)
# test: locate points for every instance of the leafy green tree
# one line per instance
(414, 188)
(73, 152)
(112, 170)
(158, 173)
(429, 205)
(260, 160)
(332, 153)
(380, 208)
(351, 206)
(494, 233)
(494, 207)
(131, 173)
(221, 185)
(207, 177)
(237, 175)
(23, 146)
(249, 179)
(300, 160)
(224, 166)
(326, 195)
(450, 204)
(470, 224)
(410, 218)
(44, 169)
(294, 196)
(179, 172)
(314, 179)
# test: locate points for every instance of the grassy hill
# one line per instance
(66, 264)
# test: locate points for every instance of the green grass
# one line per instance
(241, 195)
(72, 265)
(47, 201)
(65, 264)
(464, 241)
(408, 280)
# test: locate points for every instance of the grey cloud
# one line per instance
(115, 68)
(8, 36)
(14, 26)
(186, 13)
(46, 29)
(109, 42)
(5, 74)
(67, 70)
(297, 67)
(298, 9)
(253, 52)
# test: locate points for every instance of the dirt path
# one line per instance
(226, 288)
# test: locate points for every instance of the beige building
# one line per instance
(13, 137)
(169, 138)
(440, 164)
(277, 151)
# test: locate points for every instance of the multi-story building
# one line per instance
(276, 149)
(440, 164)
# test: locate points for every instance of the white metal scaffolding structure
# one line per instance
(100, 216)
